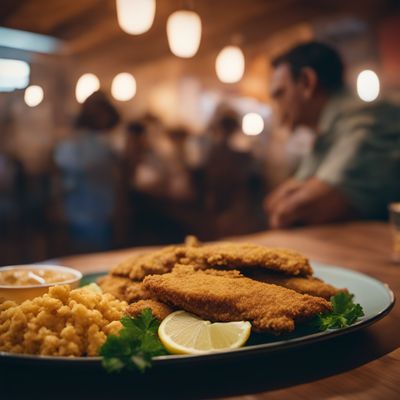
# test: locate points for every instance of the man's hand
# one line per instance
(306, 203)
(282, 192)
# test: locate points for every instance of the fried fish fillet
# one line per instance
(246, 255)
(159, 310)
(161, 261)
(305, 285)
(157, 262)
(123, 269)
(228, 296)
(123, 288)
(224, 254)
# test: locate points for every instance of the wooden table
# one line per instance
(363, 365)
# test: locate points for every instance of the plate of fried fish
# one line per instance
(288, 301)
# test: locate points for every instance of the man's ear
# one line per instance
(309, 80)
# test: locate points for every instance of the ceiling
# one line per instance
(89, 28)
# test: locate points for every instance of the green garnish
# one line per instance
(345, 312)
(135, 346)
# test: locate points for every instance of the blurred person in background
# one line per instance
(231, 181)
(88, 170)
(353, 168)
(156, 180)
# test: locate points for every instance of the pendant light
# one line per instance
(33, 95)
(86, 85)
(135, 16)
(184, 33)
(230, 64)
(252, 124)
(368, 86)
(123, 87)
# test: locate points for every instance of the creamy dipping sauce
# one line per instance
(34, 276)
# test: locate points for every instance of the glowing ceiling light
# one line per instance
(135, 16)
(229, 64)
(368, 85)
(33, 95)
(14, 74)
(252, 124)
(184, 33)
(86, 85)
(123, 87)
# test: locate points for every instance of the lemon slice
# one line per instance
(185, 333)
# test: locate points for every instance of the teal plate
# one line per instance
(375, 297)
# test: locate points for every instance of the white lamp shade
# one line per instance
(368, 86)
(123, 87)
(33, 95)
(14, 74)
(86, 85)
(252, 124)
(230, 64)
(135, 16)
(184, 33)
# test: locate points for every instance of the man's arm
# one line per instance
(312, 202)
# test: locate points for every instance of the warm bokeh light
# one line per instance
(123, 87)
(14, 74)
(368, 86)
(252, 124)
(229, 64)
(33, 95)
(86, 85)
(135, 16)
(184, 33)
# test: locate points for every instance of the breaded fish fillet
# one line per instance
(246, 255)
(305, 285)
(228, 296)
(114, 285)
(123, 288)
(159, 310)
(161, 261)
(157, 262)
(124, 267)
(224, 254)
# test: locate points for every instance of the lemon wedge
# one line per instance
(185, 333)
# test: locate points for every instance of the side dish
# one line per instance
(22, 282)
(63, 322)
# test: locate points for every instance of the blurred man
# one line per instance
(353, 170)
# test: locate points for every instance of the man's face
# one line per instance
(288, 95)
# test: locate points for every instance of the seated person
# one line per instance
(354, 166)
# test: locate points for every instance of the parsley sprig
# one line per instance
(135, 345)
(345, 313)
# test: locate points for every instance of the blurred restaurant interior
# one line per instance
(186, 135)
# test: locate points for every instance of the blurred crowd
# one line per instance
(160, 185)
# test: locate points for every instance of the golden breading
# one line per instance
(226, 296)
(192, 241)
(114, 285)
(161, 261)
(245, 255)
(306, 285)
(158, 262)
(123, 288)
(224, 254)
(124, 267)
(159, 310)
